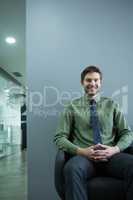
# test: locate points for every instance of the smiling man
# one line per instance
(99, 133)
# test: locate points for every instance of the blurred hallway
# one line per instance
(13, 177)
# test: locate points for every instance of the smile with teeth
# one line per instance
(91, 87)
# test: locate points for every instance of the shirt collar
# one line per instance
(87, 98)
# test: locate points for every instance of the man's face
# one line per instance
(92, 83)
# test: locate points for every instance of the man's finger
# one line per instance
(104, 146)
(98, 154)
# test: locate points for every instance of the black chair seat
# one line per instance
(105, 188)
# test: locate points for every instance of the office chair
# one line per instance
(100, 187)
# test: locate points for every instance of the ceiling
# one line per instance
(12, 23)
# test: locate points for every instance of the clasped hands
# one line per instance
(98, 152)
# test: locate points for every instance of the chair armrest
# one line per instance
(58, 173)
(129, 149)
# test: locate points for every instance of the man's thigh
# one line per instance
(119, 165)
(81, 165)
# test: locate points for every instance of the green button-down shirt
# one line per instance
(75, 124)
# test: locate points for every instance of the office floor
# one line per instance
(13, 177)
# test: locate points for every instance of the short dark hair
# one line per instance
(90, 69)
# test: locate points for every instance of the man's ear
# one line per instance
(101, 80)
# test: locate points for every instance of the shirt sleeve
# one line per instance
(124, 133)
(64, 130)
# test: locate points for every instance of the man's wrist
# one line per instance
(117, 149)
(80, 151)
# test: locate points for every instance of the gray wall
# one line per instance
(64, 36)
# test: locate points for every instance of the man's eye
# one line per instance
(88, 80)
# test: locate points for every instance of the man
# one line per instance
(99, 134)
(23, 127)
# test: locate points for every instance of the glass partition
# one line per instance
(10, 116)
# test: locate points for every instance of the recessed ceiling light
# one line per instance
(10, 40)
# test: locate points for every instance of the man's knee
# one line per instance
(78, 166)
(70, 167)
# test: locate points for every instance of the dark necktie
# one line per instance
(94, 121)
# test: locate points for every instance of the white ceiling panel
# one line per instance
(12, 23)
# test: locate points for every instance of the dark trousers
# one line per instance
(78, 170)
(24, 136)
